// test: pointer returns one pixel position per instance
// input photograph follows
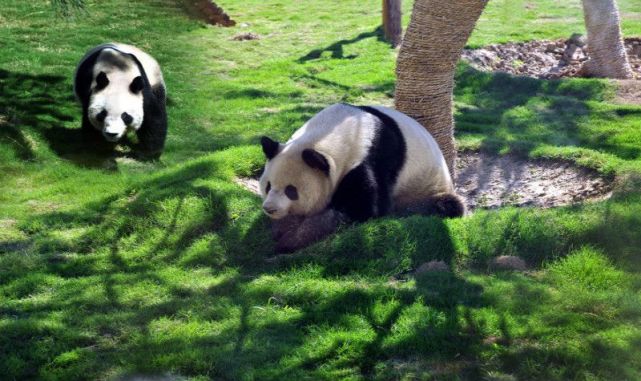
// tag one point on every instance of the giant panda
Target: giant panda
(121, 88)
(349, 164)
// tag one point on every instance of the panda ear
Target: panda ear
(136, 85)
(270, 147)
(101, 81)
(316, 160)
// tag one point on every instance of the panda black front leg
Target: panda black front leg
(359, 196)
(152, 133)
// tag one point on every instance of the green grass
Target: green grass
(111, 267)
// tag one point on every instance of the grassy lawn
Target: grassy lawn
(113, 267)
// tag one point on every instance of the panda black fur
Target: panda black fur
(122, 88)
(352, 163)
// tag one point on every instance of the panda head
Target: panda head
(295, 181)
(116, 100)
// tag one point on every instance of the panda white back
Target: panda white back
(425, 171)
(345, 133)
(341, 132)
(150, 65)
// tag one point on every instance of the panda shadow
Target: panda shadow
(82, 149)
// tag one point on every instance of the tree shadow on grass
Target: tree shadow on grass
(336, 48)
(148, 243)
(521, 113)
(169, 276)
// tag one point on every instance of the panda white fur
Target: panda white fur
(121, 88)
(352, 163)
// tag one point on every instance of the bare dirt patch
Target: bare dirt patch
(487, 181)
(210, 12)
(629, 92)
(490, 182)
(544, 58)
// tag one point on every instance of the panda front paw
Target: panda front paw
(285, 226)
(295, 232)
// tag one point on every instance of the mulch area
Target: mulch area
(544, 58)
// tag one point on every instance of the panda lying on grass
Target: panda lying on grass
(348, 164)
(121, 88)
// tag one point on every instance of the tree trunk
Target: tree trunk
(432, 45)
(605, 45)
(392, 21)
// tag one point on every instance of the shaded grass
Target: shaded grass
(110, 267)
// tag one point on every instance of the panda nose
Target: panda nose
(111, 134)
(269, 210)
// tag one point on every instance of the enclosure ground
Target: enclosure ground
(546, 59)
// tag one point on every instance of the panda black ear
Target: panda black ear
(270, 147)
(316, 160)
(136, 85)
(101, 81)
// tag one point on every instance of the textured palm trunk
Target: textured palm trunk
(605, 45)
(431, 47)
(392, 21)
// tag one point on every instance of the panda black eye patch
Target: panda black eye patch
(136, 85)
(126, 118)
(101, 81)
(101, 116)
(291, 192)
(268, 188)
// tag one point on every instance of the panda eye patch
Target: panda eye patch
(268, 188)
(291, 192)
(101, 116)
(127, 118)
(136, 85)
(101, 81)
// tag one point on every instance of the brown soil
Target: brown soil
(211, 13)
(629, 92)
(544, 58)
(486, 181)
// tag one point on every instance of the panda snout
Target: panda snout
(111, 135)
(269, 209)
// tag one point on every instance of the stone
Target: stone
(432, 266)
(508, 263)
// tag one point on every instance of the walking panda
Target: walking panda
(121, 88)
(352, 163)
